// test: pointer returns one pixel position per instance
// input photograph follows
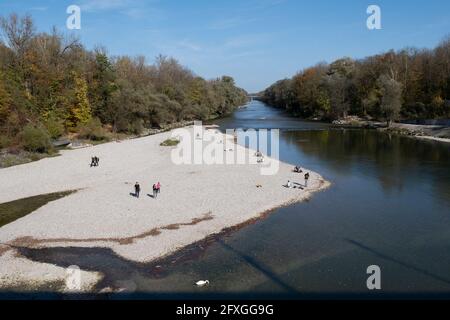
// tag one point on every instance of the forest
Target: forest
(409, 84)
(51, 86)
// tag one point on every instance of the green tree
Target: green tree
(103, 86)
(391, 92)
(5, 102)
(80, 111)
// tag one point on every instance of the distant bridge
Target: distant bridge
(254, 96)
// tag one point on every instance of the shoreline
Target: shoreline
(147, 237)
(437, 133)
(422, 132)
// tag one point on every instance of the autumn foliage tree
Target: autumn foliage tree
(50, 82)
(408, 84)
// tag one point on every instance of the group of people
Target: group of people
(297, 169)
(259, 156)
(94, 161)
(156, 189)
(137, 187)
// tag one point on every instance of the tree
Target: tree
(5, 101)
(80, 111)
(391, 101)
(337, 91)
(18, 32)
(103, 85)
(51, 79)
(353, 87)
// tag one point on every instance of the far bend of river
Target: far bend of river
(389, 205)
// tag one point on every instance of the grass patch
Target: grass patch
(11, 211)
(170, 143)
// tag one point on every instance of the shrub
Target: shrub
(136, 127)
(55, 127)
(170, 143)
(93, 130)
(4, 141)
(36, 139)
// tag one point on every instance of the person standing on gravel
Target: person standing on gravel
(306, 179)
(137, 189)
(158, 188)
(155, 191)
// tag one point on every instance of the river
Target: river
(389, 206)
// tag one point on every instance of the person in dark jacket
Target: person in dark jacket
(306, 179)
(155, 191)
(137, 189)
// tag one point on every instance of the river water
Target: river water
(389, 206)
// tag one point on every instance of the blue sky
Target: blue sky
(255, 41)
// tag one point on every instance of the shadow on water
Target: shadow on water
(397, 261)
(272, 276)
(117, 270)
(112, 267)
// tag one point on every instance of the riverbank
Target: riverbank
(196, 201)
(10, 157)
(427, 132)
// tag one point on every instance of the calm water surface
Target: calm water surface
(389, 205)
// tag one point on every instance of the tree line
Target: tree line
(50, 85)
(407, 84)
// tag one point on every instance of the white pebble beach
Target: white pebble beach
(199, 200)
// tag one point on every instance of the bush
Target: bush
(4, 141)
(136, 127)
(93, 130)
(36, 139)
(55, 127)
(170, 143)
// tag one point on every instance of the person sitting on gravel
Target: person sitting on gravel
(297, 169)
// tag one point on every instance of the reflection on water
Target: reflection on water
(396, 162)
